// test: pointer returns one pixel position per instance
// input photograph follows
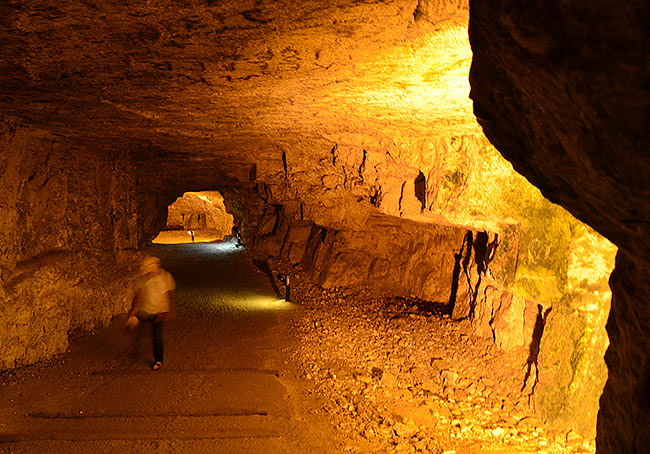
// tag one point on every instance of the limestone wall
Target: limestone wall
(563, 332)
(200, 211)
(65, 213)
(400, 257)
(561, 90)
(397, 256)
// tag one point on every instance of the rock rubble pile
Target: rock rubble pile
(398, 376)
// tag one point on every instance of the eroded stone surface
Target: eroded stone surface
(68, 221)
(561, 90)
(327, 115)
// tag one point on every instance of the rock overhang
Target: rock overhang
(234, 83)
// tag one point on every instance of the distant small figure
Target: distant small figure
(191, 233)
(153, 303)
(237, 237)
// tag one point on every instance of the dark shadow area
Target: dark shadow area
(264, 266)
(421, 189)
(401, 306)
(533, 354)
(480, 257)
(466, 249)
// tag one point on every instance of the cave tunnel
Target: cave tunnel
(385, 160)
(197, 217)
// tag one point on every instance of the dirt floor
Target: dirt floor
(400, 377)
(247, 372)
(227, 384)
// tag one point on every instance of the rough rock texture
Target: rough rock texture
(561, 89)
(401, 257)
(552, 298)
(571, 372)
(624, 418)
(203, 211)
(434, 262)
(321, 119)
(507, 318)
(65, 214)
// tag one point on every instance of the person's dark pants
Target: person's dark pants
(157, 341)
(157, 329)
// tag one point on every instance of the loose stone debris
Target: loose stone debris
(399, 376)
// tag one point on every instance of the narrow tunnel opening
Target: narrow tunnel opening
(198, 217)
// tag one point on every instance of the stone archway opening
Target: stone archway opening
(199, 217)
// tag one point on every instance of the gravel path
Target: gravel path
(227, 384)
(246, 372)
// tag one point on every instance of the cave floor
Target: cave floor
(247, 372)
(399, 376)
(226, 385)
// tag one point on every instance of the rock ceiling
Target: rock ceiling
(575, 78)
(238, 81)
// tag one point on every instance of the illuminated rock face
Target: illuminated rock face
(342, 137)
(66, 220)
(561, 90)
(203, 211)
(393, 255)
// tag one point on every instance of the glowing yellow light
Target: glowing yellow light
(254, 303)
(429, 80)
(181, 236)
(268, 303)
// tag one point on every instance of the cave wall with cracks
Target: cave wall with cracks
(68, 235)
(317, 120)
(574, 75)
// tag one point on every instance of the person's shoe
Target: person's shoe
(157, 365)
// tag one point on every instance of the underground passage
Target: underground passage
(196, 217)
(376, 226)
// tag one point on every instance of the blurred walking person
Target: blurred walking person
(153, 303)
